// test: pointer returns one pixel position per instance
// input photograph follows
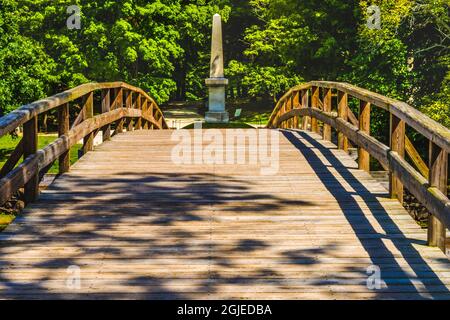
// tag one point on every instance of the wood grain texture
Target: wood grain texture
(141, 226)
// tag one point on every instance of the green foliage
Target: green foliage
(163, 47)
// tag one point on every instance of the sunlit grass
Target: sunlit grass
(9, 143)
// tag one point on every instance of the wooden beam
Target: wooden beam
(327, 108)
(30, 144)
(63, 130)
(13, 159)
(416, 158)
(438, 176)
(343, 114)
(397, 141)
(364, 126)
(88, 105)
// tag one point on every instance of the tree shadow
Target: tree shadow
(126, 233)
(371, 240)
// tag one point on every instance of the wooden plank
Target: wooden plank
(63, 130)
(397, 142)
(364, 126)
(309, 233)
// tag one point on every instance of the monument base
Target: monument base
(217, 117)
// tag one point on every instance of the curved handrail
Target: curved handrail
(429, 128)
(429, 185)
(137, 104)
(23, 114)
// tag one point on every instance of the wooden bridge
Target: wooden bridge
(126, 221)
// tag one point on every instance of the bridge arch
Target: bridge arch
(121, 105)
(313, 102)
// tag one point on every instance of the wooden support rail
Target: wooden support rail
(427, 184)
(36, 162)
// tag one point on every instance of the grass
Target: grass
(8, 144)
(230, 125)
(5, 220)
(255, 112)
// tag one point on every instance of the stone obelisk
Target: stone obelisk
(216, 82)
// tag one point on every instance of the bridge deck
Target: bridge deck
(139, 226)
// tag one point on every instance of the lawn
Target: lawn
(8, 144)
(230, 125)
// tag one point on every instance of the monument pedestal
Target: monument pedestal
(217, 117)
(216, 113)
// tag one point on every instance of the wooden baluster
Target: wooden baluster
(138, 124)
(343, 114)
(397, 140)
(88, 105)
(160, 119)
(119, 104)
(305, 102)
(288, 109)
(327, 108)
(106, 107)
(129, 104)
(295, 104)
(438, 176)
(149, 114)
(315, 104)
(63, 129)
(364, 125)
(30, 144)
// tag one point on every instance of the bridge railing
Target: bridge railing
(119, 104)
(319, 106)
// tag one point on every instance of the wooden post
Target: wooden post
(305, 102)
(315, 104)
(364, 125)
(63, 129)
(327, 108)
(149, 113)
(119, 104)
(296, 105)
(106, 107)
(437, 178)
(129, 105)
(397, 141)
(88, 105)
(30, 144)
(139, 106)
(283, 111)
(343, 114)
